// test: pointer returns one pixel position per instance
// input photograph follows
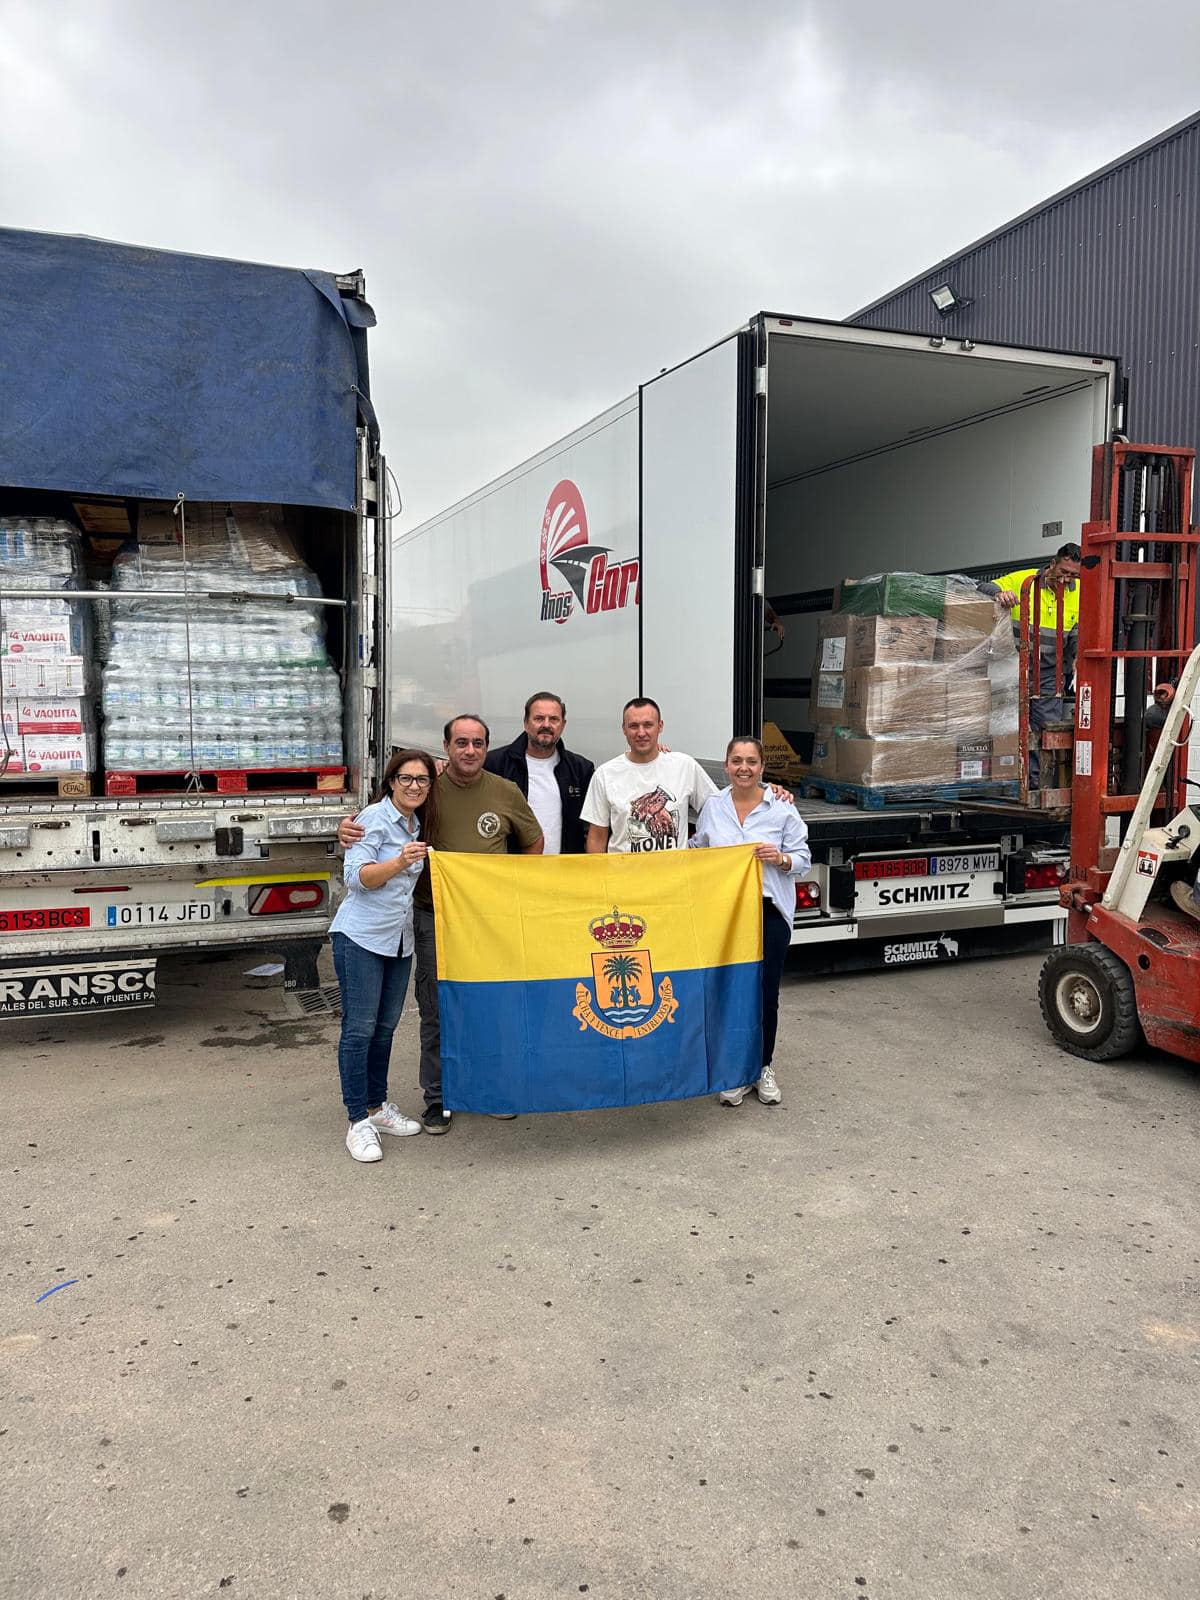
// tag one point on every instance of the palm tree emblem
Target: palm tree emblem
(619, 970)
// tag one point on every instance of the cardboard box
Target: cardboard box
(973, 761)
(968, 703)
(1002, 643)
(68, 752)
(893, 594)
(897, 699)
(832, 629)
(827, 703)
(1006, 757)
(824, 756)
(967, 626)
(43, 677)
(965, 614)
(972, 649)
(53, 716)
(878, 762)
(782, 763)
(52, 637)
(878, 641)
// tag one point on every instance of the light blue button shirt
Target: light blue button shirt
(379, 919)
(771, 822)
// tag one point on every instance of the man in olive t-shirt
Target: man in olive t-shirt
(477, 811)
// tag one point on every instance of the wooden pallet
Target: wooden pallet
(49, 785)
(230, 780)
(905, 794)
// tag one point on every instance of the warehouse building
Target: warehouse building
(1110, 266)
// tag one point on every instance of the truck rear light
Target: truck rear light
(807, 896)
(274, 899)
(1043, 877)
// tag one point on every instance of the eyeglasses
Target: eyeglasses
(407, 781)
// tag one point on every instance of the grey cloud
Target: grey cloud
(552, 200)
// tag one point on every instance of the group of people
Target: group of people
(536, 797)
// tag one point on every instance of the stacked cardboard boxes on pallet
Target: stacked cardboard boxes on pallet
(903, 686)
(47, 716)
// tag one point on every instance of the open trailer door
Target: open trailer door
(701, 615)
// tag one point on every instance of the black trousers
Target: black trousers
(777, 936)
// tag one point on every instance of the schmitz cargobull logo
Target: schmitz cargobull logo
(943, 948)
(592, 580)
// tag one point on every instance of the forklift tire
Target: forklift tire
(1088, 1000)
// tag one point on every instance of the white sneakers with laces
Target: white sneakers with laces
(767, 1089)
(363, 1142)
(390, 1119)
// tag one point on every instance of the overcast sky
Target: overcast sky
(552, 199)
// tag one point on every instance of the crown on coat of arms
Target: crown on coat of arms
(620, 931)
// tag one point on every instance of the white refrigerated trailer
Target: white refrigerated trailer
(636, 556)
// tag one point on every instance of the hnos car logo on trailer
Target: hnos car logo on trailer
(592, 580)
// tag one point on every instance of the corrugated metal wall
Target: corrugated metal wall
(1111, 268)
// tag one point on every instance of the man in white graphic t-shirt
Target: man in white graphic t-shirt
(641, 800)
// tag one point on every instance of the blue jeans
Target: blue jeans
(373, 989)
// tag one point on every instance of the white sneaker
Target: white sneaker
(363, 1142)
(734, 1097)
(390, 1119)
(767, 1089)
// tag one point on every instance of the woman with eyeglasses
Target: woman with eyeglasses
(372, 936)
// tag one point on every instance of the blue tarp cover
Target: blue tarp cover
(147, 373)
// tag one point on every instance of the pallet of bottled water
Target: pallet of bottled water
(210, 682)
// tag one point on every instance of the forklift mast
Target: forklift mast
(1137, 617)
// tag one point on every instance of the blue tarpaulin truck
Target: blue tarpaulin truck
(193, 520)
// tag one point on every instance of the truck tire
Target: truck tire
(1088, 1000)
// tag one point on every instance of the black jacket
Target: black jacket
(572, 774)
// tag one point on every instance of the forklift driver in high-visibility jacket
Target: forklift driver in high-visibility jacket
(1060, 576)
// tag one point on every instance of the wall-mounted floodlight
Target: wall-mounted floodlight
(946, 301)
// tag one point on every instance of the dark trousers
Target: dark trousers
(427, 1004)
(777, 937)
(373, 989)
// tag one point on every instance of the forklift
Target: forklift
(1130, 969)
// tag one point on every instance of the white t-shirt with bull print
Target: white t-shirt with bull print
(645, 805)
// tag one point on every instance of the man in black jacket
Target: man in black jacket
(552, 778)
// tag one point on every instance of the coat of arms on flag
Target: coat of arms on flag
(622, 982)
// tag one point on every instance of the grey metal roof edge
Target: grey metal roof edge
(1165, 137)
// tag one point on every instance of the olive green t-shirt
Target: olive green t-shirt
(479, 817)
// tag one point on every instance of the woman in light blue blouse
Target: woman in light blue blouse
(749, 812)
(372, 936)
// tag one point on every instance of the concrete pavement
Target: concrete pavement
(930, 1329)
